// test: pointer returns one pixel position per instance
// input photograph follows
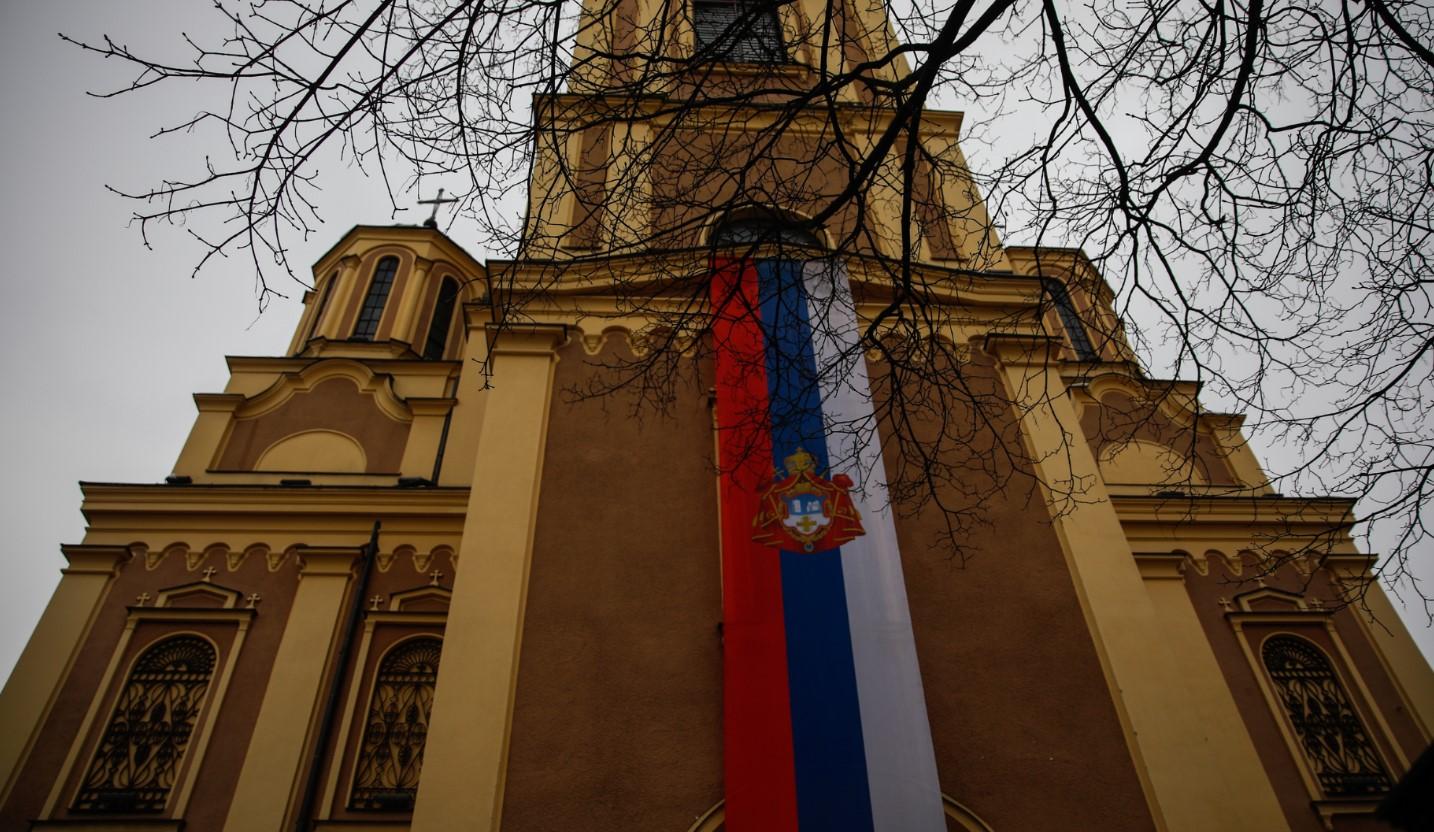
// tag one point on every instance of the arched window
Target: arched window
(376, 298)
(137, 760)
(442, 319)
(1070, 319)
(391, 756)
(757, 230)
(1335, 742)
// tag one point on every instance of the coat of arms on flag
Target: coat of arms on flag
(804, 512)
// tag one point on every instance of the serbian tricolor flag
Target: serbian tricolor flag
(825, 719)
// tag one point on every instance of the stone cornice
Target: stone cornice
(93, 560)
(105, 502)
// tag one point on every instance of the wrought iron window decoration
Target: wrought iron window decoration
(391, 755)
(135, 765)
(1336, 744)
(376, 298)
(746, 31)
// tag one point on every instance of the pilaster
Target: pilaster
(408, 298)
(274, 763)
(1191, 750)
(465, 761)
(46, 660)
(328, 325)
(216, 411)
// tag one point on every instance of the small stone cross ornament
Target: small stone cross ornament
(208, 573)
(434, 577)
(253, 599)
(142, 598)
(374, 602)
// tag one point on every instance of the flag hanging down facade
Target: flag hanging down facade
(824, 714)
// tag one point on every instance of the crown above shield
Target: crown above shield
(799, 461)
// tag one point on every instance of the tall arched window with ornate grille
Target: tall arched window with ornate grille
(376, 298)
(391, 756)
(136, 763)
(1335, 742)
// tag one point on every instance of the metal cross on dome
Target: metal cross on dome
(432, 221)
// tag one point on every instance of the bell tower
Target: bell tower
(678, 116)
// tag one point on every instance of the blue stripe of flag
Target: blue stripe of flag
(831, 775)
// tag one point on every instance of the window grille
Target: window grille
(1334, 739)
(135, 765)
(442, 319)
(738, 30)
(389, 761)
(1070, 320)
(376, 298)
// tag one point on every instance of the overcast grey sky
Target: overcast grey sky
(104, 341)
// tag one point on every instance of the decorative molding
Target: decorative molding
(327, 560)
(372, 619)
(228, 598)
(82, 559)
(399, 601)
(105, 693)
(275, 559)
(401, 552)
(379, 386)
(1381, 738)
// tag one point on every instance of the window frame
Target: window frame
(334, 803)
(1077, 336)
(435, 351)
(375, 298)
(360, 741)
(168, 641)
(744, 45)
(175, 620)
(1253, 622)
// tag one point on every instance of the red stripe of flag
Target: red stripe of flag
(760, 772)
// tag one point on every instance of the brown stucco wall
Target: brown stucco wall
(618, 718)
(1207, 593)
(220, 768)
(1023, 722)
(1118, 419)
(333, 404)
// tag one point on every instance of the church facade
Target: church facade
(438, 568)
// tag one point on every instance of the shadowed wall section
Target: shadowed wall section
(618, 718)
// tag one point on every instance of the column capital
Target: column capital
(526, 339)
(328, 560)
(1031, 350)
(85, 559)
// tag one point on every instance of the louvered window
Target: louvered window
(747, 32)
(137, 761)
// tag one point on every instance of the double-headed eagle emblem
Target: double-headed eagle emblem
(804, 512)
